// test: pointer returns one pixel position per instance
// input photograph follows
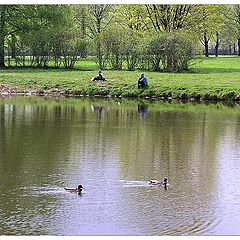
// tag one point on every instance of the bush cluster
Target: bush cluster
(170, 52)
(57, 47)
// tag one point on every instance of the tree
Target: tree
(180, 49)
(156, 50)
(232, 22)
(9, 24)
(98, 20)
(168, 18)
(206, 21)
(3, 10)
(20, 20)
(132, 17)
(113, 42)
(81, 18)
(171, 52)
(217, 44)
(134, 21)
(133, 48)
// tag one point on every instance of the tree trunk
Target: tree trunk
(206, 44)
(239, 46)
(2, 35)
(230, 49)
(83, 23)
(234, 48)
(217, 44)
(13, 46)
(99, 54)
(117, 61)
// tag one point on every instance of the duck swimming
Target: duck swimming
(76, 190)
(165, 183)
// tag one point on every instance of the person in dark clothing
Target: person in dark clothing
(142, 81)
(99, 77)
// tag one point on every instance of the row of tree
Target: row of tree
(156, 37)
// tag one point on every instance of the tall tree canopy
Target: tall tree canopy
(206, 22)
(115, 36)
(166, 18)
(99, 19)
(232, 21)
(17, 19)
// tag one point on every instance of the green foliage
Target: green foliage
(206, 18)
(150, 37)
(206, 22)
(156, 50)
(38, 42)
(113, 42)
(66, 45)
(168, 18)
(132, 50)
(179, 51)
(58, 41)
(171, 52)
(98, 20)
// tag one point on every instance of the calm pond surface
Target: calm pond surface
(113, 148)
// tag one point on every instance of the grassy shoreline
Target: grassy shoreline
(210, 79)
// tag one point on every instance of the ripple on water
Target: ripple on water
(132, 183)
(176, 212)
(37, 190)
(108, 230)
(192, 226)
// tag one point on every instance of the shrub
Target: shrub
(132, 51)
(171, 52)
(179, 51)
(156, 51)
(113, 42)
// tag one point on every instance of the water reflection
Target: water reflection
(48, 144)
(142, 110)
(99, 111)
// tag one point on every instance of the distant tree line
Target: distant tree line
(152, 37)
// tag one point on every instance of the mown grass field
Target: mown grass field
(209, 79)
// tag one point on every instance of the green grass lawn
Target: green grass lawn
(209, 79)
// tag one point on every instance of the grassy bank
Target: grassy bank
(209, 79)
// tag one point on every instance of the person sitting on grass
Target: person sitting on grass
(99, 77)
(142, 81)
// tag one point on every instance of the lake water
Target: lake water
(113, 148)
